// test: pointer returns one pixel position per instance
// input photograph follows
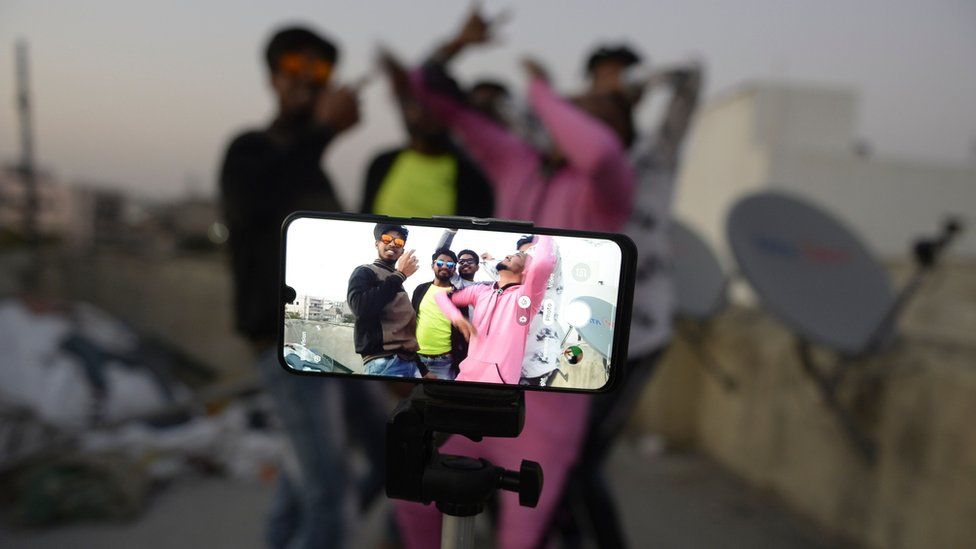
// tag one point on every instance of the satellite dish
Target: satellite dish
(598, 330)
(699, 281)
(810, 271)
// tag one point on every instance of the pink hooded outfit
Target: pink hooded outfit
(501, 316)
(594, 190)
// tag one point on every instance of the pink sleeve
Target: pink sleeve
(589, 145)
(537, 275)
(460, 298)
(496, 150)
(447, 307)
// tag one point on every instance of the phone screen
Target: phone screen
(454, 302)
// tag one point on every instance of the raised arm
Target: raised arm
(541, 265)
(447, 238)
(462, 298)
(686, 88)
(585, 141)
(588, 144)
(450, 301)
(496, 150)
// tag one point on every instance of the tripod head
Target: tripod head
(459, 486)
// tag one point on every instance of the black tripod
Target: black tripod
(459, 486)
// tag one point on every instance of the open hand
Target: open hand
(478, 28)
(338, 108)
(408, 263)
(394, 70)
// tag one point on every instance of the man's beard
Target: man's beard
(443, 275)
(502, 267)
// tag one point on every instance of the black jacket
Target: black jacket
(459, 345)
(385, 321)
(474, 193)
(265, 176)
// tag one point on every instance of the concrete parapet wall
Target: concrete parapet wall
(917, 401)
(183, 301)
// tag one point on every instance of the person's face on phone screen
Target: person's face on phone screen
(443, 267)
(390, 246)
(467, 266)
(514, 263)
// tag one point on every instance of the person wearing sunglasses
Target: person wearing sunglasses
(386, 324)
(270, 173)
(266, 174)
(467, 265)
(442, 346)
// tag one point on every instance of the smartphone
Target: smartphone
(454, 301)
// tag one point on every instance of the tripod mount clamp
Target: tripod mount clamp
(459, 486)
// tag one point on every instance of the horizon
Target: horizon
(113, 108)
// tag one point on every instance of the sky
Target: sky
(145, 97)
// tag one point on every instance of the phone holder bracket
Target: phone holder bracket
(459, 486)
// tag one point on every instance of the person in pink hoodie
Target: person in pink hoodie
(501, 314)
(584, 181)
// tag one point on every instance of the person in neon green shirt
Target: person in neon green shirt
(442, 347)
(430, 175)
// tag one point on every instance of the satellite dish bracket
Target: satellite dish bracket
(828, 383)
(927, 252)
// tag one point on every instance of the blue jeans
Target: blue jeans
(441, 366)
(391, 365)
(315, 412)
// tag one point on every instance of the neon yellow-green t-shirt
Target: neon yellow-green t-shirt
(418, 185)
(433, 328)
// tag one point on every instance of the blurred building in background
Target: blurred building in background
(84, 217)
(802, 140)
(54, 203)
(308, 307)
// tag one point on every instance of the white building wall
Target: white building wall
(889, 203)
(807, 118)
(801, 140)
(722, 162)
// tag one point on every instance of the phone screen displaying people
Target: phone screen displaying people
(397, 300)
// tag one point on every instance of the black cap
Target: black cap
(615, 52)
(382, 228)
(298, 38)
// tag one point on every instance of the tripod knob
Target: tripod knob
(530, 483)
(527, 482)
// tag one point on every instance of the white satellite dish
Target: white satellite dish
(811, 271)
(699, 282)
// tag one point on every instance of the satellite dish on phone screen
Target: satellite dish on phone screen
(810, 271)
(699, 281)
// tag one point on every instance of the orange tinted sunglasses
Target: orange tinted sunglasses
(297, 64)
(399, 242)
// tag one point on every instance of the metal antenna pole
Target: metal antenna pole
(27, 169)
